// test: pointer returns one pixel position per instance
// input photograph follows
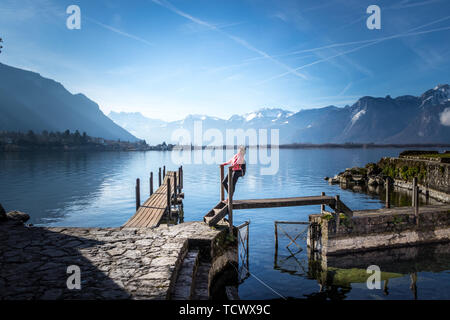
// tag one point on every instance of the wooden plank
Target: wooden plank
(149, 216)
(150, 213)
(283, 202)
(230, 199)
(153, 201)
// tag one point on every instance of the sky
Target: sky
(168, 59)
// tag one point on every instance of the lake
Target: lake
(97, 190)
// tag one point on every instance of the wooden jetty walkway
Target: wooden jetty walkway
(226, 207)
(160, 202)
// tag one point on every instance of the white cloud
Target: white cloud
(445, 117)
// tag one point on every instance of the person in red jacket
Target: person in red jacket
(238, 168)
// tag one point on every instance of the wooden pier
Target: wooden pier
(160, 202)
(226, 207)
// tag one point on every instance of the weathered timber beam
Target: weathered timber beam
(282, 202)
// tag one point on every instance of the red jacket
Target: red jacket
(236, 161)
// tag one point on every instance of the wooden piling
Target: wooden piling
(388, 196)
(164, 172)
(230, 199)
(151, 183)
(159, 176)
(336, 207)
(413, 204)
(175, 185)
(169, 202)
(138, 194)
(222, 188)
(181, 178)
(322, 206)
(416, 201)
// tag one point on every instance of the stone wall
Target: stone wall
(430, 174)
(375, 229)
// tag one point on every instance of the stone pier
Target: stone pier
(115, 263)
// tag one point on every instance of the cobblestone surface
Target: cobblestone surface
(115, 263)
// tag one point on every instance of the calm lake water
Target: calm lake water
(97, 190)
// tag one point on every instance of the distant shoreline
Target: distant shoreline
(102, 148)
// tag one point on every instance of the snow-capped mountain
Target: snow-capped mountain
(439, 95)
(264, 116)
(405, 119)
(156, 131)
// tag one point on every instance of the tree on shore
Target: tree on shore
(60, 139)
(1, 40)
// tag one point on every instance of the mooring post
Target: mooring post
(164, 172)
(416, 203)
(175, 185)
(159, 176)
(230, 199)
(151, 183)
(222, 188)
(414, 192)
(388, 196)
(138, 194)
(181, 178)
(322, 206)
(168, 199)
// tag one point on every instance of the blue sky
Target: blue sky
(167, 59)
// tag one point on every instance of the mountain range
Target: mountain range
(402, 120)
(29, 101)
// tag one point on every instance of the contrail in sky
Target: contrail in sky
(238, 40)
(367, 44)
(120, 32)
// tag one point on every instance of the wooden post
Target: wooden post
(181, 178)
(337, 212)
(230, 199)
(151, 183)
(416, 199)
(388, 196)
(414, 192)
(169, 207)
(138, 194)
(164, 172)
(322, 206)
(337, 200)
(175, 184)
(159, 177)
(222, 188)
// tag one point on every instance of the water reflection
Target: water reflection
(336, 275)
(97, 190)
(399, 197)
